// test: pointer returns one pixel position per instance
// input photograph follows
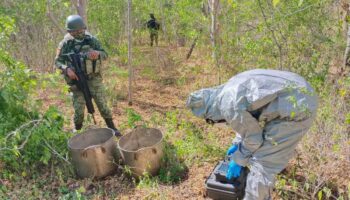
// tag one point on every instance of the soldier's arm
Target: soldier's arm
(60, 60)
(98, 47)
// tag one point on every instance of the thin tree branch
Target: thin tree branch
(52, 18)
(273, 34)
(55, 152)
(21, 146)
(279, 30)
(21, 127)
(300, 10)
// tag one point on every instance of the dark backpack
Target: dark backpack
(153, 24)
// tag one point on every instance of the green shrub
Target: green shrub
(28, 137)
(172, 170)
(133, 117)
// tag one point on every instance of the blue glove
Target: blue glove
(232, 149)
(234, 170)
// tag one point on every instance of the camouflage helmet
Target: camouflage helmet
(75, 22)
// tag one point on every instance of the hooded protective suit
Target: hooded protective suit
(270, 111)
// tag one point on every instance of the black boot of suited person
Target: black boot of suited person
(110, 125)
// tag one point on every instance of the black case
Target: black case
(219, 188)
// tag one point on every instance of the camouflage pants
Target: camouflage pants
(97, 91)
(154, 37)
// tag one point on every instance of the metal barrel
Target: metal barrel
(142, 150)
(94, 153)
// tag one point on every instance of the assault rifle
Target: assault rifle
(81, 83)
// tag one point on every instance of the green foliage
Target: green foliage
(303, 29)
(133, 117)
(297, 190)
(181, 15)
(27, 137)
(119, 72)
(347, 118)
(194, 146)
(74, 195)
(172, 170)
(309, 34)
(275, 2)
(186, 149)
(15, 85)
(106, 21)
(150, 72)
(147, 181)
(7, 27)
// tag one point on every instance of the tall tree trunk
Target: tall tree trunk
(213, 9)
(131, 75)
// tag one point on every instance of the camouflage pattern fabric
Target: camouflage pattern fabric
(153, 37)
(97, 89)
(70, 45)
(153, 27)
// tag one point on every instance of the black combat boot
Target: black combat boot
(110, 125)
(78, 126)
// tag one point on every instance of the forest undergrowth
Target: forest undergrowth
(192, 148)
(304, 36)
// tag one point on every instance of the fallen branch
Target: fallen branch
(21, 146)
(55, 152)
(21, 127)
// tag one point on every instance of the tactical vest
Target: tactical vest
(89, 67)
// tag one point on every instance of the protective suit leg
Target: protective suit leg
(280, 140)
(259, 184)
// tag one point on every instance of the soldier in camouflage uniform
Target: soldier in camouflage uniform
(153, 27)
(78, 40)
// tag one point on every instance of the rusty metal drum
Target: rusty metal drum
(142, 150)
(94, 153)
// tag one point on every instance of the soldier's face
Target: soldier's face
(77, 34)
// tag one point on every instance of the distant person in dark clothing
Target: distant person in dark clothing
(153, 27)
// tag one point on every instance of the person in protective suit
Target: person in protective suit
(78, 40)
(153, 27)
(270, 111)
